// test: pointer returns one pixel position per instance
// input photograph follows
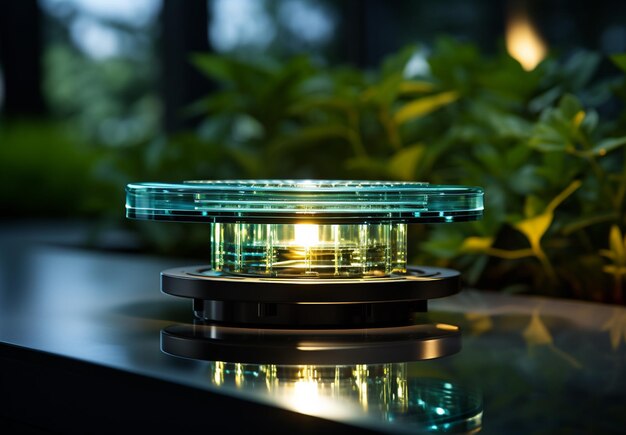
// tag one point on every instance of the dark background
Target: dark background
(42, 41)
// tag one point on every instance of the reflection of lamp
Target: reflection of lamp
(307, 253)
(311, 346)
(353, 375)
(385, 391)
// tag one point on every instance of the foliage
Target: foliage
(46, 172)
(553, 171)
(112, 101)
(547, 146)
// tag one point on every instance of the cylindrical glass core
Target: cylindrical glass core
(309, 250)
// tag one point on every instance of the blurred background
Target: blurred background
(524, 98)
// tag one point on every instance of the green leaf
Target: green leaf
(557, 200)
(509, 125)
(617, 245)
(533, 206)
(569, 105)
(213, 66)
(476, 244)
(580, 67)
(249, 77)
(619, 60)
(403, 165)
(525, 180)
(245, 128)
(543, 101)
(590, 122)
(607, 145)
(559, 128)
(546, 138)
(585, 221)
(423, 106)
(310, 136)
(444, 244)
(372, 168)
(534, 228)
(385, 92)
(337, 104)
(415, 87)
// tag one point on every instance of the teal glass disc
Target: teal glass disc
(316, 201)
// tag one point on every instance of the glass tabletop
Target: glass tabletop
(527, 364)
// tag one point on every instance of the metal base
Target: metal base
(324, 347)
(308, 315)
(309, 303)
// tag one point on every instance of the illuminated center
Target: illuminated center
(309, 250)
(306, 235)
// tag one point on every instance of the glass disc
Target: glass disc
(321, 201)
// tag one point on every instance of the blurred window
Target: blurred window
(101, 67)
(277, 27)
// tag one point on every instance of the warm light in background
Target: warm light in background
(523, 41)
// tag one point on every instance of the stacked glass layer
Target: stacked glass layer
(306, 228)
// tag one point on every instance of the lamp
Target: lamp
(307, 253)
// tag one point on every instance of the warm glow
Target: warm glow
(309, 396)
(523, 42)
(306, 398)
(218, 376)
(447, 327)
(307, 235)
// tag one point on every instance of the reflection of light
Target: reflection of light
(523, 42)
(306, 235)
(447, 327)
(239, 377)
(306, 398)
(350, 393)
(218, 376)
(361, 376)
(309, 395)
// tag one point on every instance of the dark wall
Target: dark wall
(20, 57)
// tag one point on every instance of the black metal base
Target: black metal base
(309, 303)
(323, 347)
(308, 315)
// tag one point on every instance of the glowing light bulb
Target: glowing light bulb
(306, 235)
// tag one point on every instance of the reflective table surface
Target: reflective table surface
(527, 364)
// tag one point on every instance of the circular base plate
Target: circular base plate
(201, 282)
(324, 347)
